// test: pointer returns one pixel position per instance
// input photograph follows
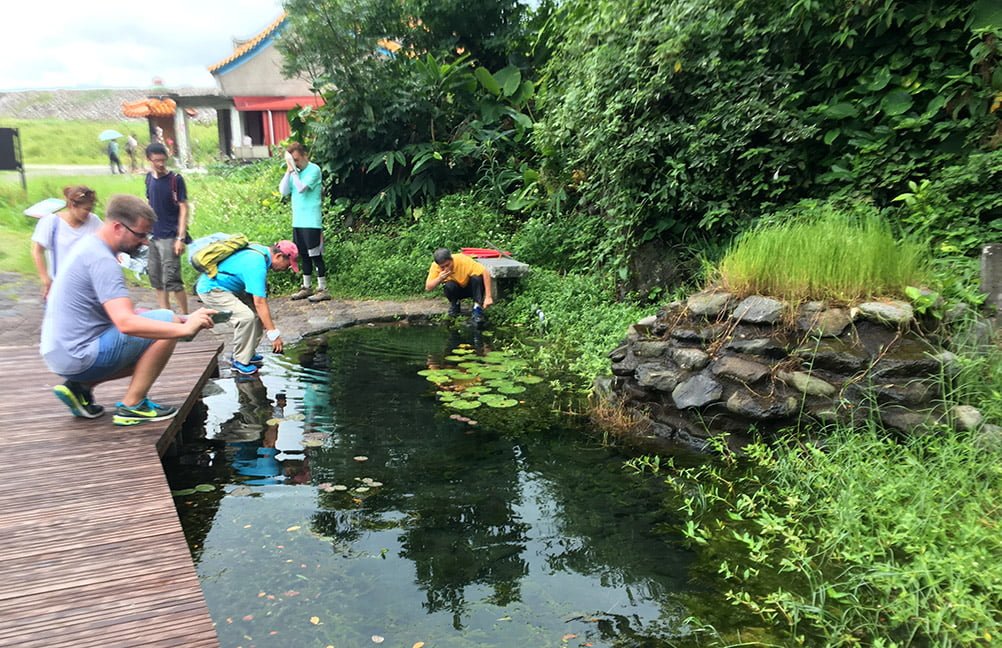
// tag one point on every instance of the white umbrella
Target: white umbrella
(45, 207)
(109, 134)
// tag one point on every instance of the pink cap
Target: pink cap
(289, 249)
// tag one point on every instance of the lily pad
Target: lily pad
(462, 351)
(511, 389)
(339, 487)
(529, 379)
(489, 375)
(505, 402)
(455, 358)
(477, 389)
(464, 404)
(362, 489)
(427, 372)
(360, 458)
(469, 364)
(438, 378)
(205, 488)
(447, 396)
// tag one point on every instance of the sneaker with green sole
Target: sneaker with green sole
(79, 399)
(144, 412)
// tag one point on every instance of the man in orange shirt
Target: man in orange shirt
(461, 276)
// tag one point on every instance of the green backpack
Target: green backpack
(206, 253)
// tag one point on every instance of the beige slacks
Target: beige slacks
(247, 327)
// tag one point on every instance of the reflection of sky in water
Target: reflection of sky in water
(485, 536)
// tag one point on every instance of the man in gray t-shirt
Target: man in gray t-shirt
(91, 332)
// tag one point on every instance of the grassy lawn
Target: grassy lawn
(60, 141)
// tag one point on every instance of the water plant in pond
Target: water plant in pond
(489, 379)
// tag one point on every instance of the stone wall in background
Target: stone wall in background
(715, 363)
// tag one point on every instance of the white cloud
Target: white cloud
(123, 44)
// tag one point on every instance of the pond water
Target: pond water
(522, 529)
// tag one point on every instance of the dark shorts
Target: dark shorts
(309, 240)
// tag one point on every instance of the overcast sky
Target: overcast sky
(49, 44)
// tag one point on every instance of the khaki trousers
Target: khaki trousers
(247, 327)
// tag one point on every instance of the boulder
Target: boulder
(697, 391)
(893, 312)
(658, 377)
(708, 304)
(830, 322)
(806, 383)
(763, 346)
(746, 403)
(691, 359)
(759, 310)
(967, 418)
(650, 349)
(740, 369)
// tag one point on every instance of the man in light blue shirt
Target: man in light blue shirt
(304, 181)
(241, 287)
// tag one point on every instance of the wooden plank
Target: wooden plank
(94, 554)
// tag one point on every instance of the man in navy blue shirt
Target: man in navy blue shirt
(168, 196)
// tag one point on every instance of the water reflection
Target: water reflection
(519, 530)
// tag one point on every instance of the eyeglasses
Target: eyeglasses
(139, 235)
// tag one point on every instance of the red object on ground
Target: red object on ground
(483, 253)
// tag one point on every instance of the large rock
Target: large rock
(967, 418)
(697, 391)
(759, 310)
(691, 359)
(695, 334)
(834, 355)
(650, 349)
(735, 368)
(751, 405)
(893, 312)
(763, 346)
(658, 377)
(830, 322)
(806, 383)
(708, 304)
(625, 367)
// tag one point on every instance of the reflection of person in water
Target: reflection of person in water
(249, 433)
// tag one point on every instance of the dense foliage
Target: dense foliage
(663, 117)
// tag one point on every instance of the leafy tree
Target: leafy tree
(397, 130)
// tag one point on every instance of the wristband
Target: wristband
(273, 334)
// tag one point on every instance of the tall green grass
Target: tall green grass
(824, 253)
(64, 141)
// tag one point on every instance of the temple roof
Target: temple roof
(249, 45)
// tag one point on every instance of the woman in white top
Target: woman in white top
(56, 233)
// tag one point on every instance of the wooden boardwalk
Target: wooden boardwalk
(91, 549)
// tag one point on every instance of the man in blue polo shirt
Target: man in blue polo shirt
(240, 286)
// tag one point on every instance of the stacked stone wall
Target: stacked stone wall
(717, 364)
